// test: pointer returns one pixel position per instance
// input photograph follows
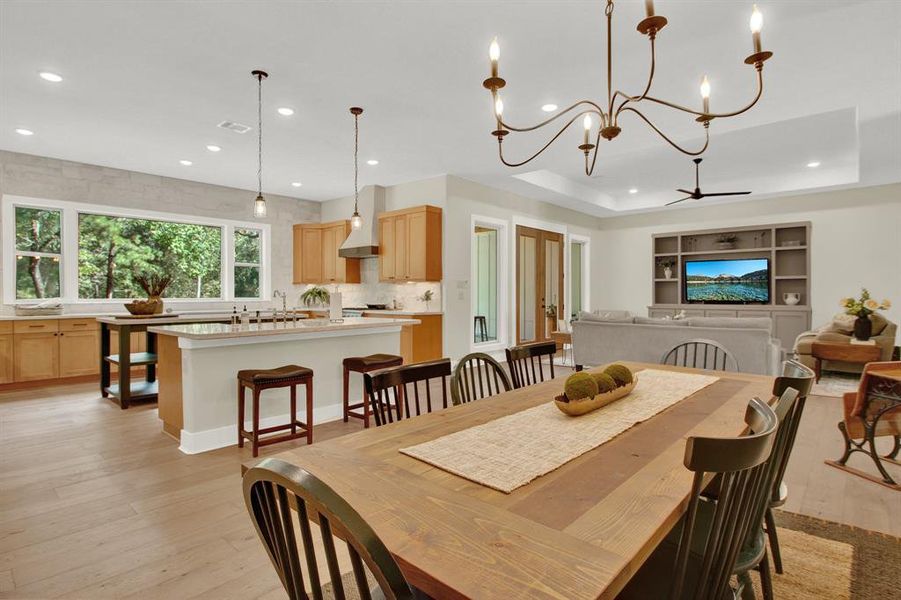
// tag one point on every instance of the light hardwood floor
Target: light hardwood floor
(95, 502)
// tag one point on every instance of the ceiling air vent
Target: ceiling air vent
(232, 126)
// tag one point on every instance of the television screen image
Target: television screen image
(728, 281)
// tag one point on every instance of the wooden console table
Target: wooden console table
(840, 351)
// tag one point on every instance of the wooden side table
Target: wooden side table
(852, 353)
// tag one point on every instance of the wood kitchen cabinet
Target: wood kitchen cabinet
(316, 257)
(46, 349)
(7, 364)
(36, 356)
(410, 244)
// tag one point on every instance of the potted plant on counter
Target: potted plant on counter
(154, 286)
(862, 308)
(427, 298)
(315, 297)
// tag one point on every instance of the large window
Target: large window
(111, 250)
(38, 252)
(83, 253)
(488, 281)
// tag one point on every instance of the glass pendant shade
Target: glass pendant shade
(259, 207)
(356, 221)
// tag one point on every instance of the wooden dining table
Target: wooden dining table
(581, 531)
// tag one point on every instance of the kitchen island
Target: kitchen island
(198, 365)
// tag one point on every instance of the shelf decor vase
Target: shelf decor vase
(668, 273)
(863, 328)
(791, 298)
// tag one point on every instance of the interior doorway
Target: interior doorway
(539, 283)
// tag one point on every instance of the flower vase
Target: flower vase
(668, 273)
(863, 328)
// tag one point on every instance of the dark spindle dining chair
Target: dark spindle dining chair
(276, 493)
(525, 363)
(477, 375)
(401, 392)
(700, 354)
(800, 378)
(720, 536)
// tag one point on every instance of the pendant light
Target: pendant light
(259, 204)
(356, 221)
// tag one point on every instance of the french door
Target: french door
(539, 283)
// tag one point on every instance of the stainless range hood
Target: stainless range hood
(364, 242)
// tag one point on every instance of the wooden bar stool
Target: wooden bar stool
(264, 379)
(364, 364)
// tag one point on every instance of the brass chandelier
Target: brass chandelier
(619, 102)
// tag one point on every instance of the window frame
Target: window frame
(70, 212)
(11, 248)
(236, 263)
(503, 228)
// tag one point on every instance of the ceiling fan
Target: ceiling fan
(697, 194)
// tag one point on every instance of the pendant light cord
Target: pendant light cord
(356, 160)
(260, 135)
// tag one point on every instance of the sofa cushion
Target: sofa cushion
(608, 316)
(732, 322)
(666, 322)
(842, 324)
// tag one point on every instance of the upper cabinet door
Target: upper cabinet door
(297, 263)
(401, 248)
(416, 243)
(387, 249)
(311, 259)
(329, 255)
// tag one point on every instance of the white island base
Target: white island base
(198, 366)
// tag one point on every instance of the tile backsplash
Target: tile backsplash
(373, 291)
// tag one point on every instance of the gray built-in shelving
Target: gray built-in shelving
(786, 245)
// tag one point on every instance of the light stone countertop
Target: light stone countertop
(412, 313)
(219, 331)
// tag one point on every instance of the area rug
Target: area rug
(835, 384)
(823, 559)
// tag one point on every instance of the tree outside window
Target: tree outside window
(247, 263)
(38, 253)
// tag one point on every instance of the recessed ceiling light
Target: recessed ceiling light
(296, 183)
(813, 164)
(549, 107)
(633, 190)
(23, 131)
(213, 148)
(372, 162)
(285, 111)
(48, 76)
(186, 163)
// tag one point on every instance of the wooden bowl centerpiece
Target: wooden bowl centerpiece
(585, 392)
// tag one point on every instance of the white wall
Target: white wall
(855, 242)
(53, 179)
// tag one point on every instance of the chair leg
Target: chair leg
(256, 422)
(309, 410)
(766, 578)
(365, 407)
(240, 415)
(293, 409)
(774, 540)
(346, 393)
(747, 587)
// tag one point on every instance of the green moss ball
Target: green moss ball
(620, 374)
(580, 386)
(605, 382)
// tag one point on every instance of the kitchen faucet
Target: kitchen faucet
(284, 297)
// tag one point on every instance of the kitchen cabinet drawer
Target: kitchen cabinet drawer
(36, 326)
(78, 325)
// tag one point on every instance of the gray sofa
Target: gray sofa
(610, 336)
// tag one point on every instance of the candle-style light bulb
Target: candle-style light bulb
(499, 107)
(705, 93)
(649, 7)
(494, 53)
(586, 123)
(756, 24)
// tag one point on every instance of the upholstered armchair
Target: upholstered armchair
(840, 329)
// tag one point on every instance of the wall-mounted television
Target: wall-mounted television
(738, 281)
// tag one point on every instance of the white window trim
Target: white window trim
(503, 233)
(263, 236)
(69, 233)
(585, 241)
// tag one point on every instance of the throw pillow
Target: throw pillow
(843, 323)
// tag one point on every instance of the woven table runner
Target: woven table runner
(511, 451)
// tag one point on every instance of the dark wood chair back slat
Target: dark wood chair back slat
(273, 490)
(476, 376)
(401, 392)
(525, 363)
(799, 378)
(700, 354)
(740, 465)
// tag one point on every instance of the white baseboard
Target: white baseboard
(195, 442)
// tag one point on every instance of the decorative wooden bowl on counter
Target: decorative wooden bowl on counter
(153, 306)
(575, 408)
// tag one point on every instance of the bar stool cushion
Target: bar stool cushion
(273, 375)
(371, 362)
